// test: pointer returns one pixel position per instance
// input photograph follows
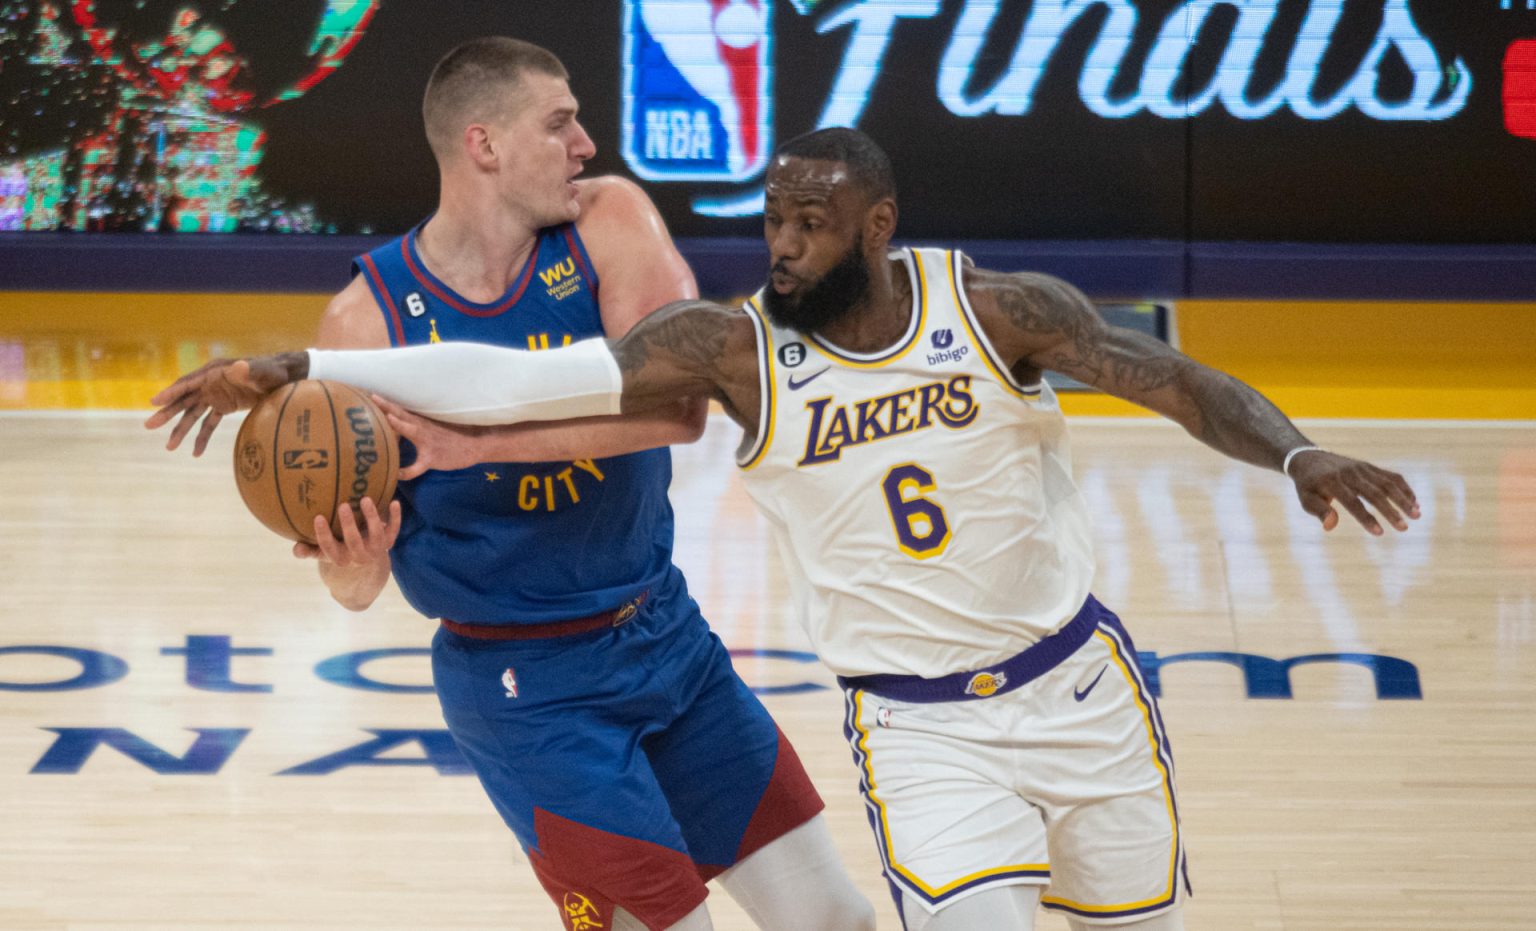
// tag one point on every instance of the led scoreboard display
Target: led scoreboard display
(1392, 121)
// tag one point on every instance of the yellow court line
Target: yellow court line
(1441, 361)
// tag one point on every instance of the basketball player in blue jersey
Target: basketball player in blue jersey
(914, 466)
(574, 671)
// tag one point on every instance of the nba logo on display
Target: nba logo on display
(697, 89)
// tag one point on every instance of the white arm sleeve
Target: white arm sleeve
(473, 383)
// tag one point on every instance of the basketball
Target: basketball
(310, 448)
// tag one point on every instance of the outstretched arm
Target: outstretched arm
(640, 270)
(690, 349)
(687, 352)
(1041, 322)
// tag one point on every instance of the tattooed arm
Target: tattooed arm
(691, 349)
(1037, 322)
(688, 349)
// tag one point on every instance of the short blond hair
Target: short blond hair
(477, 82)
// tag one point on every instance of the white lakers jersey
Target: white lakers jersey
(922, 501)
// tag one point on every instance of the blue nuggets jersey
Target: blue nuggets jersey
(505, 543)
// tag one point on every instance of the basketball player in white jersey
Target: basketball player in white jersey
(914, 466)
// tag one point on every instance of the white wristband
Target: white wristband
(474, 383)
(1286, 465)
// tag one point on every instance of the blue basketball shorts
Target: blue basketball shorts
(632, 763)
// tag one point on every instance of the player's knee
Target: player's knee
(866, 916)
(836, 905)
(696, 920)
(798, 882)
(854, 912)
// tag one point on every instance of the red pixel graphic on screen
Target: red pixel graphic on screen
(1520, 88)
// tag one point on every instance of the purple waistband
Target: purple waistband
(1035, 661)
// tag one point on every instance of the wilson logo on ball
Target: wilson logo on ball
(363, 454)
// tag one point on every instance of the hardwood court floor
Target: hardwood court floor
(1331, 809)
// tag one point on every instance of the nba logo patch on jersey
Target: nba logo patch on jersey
(509, 682)
(984, 684)
(697, 89)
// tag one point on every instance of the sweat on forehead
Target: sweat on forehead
(853, 155)
(800, 178)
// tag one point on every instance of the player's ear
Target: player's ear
(478, 146)
(880, 223)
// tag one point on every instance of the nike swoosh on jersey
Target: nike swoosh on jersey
(797, 385)
(1080, 695)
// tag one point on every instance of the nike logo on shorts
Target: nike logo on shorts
(1080, 695)
(797, 385)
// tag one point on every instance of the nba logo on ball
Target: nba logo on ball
(509, 682)
(697, 89)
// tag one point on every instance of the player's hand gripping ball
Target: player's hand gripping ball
(312, 448)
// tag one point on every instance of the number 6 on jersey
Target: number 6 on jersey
(921, 529)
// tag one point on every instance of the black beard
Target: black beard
(825, 301)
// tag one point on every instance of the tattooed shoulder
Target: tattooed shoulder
(1034, 303)
(1024, 313)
